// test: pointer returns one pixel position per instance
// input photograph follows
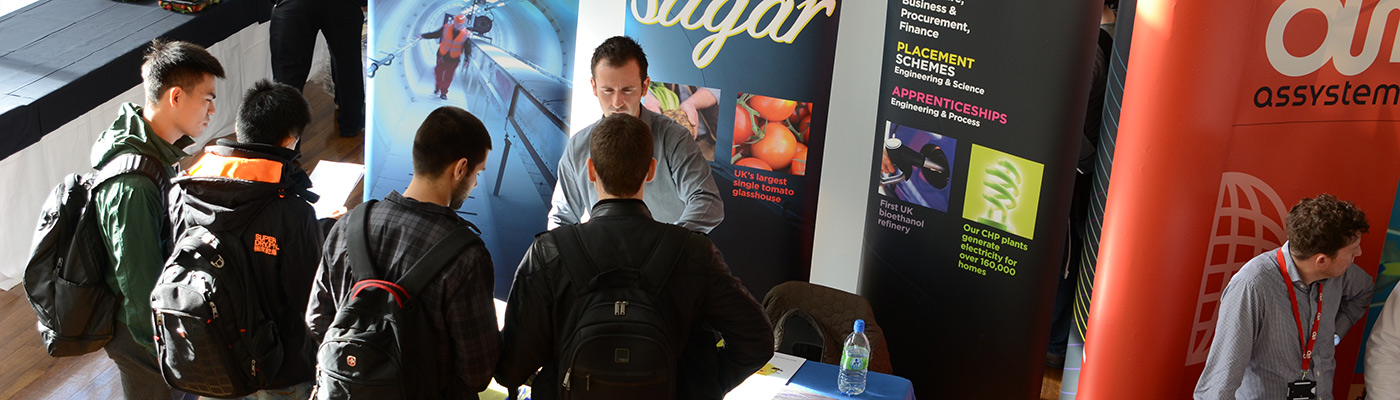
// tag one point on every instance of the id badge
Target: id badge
(1302, 389)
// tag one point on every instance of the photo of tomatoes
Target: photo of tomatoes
(770, 108)
(753, 163)
(771, 131)
(777, 147)
(743, 126)
(799, 162)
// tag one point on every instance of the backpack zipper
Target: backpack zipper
(619, 308)
(566, 378)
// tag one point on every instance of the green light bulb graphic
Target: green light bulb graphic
(1002, 190)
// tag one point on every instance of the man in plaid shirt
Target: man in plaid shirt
(449, 152)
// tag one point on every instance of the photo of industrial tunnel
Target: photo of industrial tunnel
(512, 71)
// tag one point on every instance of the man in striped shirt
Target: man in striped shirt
(1281, 314)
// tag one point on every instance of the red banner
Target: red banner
(1233, 111)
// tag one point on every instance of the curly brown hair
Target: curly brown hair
(1323, 224)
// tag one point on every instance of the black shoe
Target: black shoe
(352, 134)
(444, 96)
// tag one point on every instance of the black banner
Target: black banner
(982, 105)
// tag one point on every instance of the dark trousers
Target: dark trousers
(1062, 316)
(445, 71)
(293, 37)
(140, 373)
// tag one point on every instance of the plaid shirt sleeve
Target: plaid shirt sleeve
(321, 305)
(469, 314)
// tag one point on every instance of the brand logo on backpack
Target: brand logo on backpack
(265, 244)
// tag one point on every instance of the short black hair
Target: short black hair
(1324, 225)
(174, 63)
(617, 50)
(449, 134)
(621, 150)
(270, 112)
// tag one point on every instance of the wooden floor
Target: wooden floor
(1050, 384)
(27, 372)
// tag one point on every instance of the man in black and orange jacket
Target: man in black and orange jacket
(257, 181)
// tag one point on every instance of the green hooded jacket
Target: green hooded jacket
(131, 211)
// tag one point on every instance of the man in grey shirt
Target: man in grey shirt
(683, 192)
(1259, 351)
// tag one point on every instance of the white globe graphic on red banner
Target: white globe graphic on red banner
(1248, 221)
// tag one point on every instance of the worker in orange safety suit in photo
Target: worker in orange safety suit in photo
(452, 41)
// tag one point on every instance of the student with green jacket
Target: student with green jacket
(179, 83)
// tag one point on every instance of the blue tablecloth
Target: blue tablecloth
(820, 378)
(61, 58)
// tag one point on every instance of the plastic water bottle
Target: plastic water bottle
(855, 360)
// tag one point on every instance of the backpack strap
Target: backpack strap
(361, 265)
(206, 245)
(129, 163)
(430, 264)
(571, 251)
(664, 257)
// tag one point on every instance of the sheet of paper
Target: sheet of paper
(769, 380)
(799, 394)
(334, 181)
(782, 366)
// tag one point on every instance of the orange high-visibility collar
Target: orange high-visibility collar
(248, 169)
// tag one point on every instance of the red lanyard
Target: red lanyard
(1306, 342)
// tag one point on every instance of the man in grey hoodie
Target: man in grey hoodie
(178, 78)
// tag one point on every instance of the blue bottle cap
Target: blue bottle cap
(860, 325)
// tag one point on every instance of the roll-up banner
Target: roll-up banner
(1117, 60)
(1386, 278)
(762, 71)
(507, 63)
(974, 151)
(1233, 112)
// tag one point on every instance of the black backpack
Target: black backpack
(215, 331)
(362, 355)
(619, 343)
(65, 277)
